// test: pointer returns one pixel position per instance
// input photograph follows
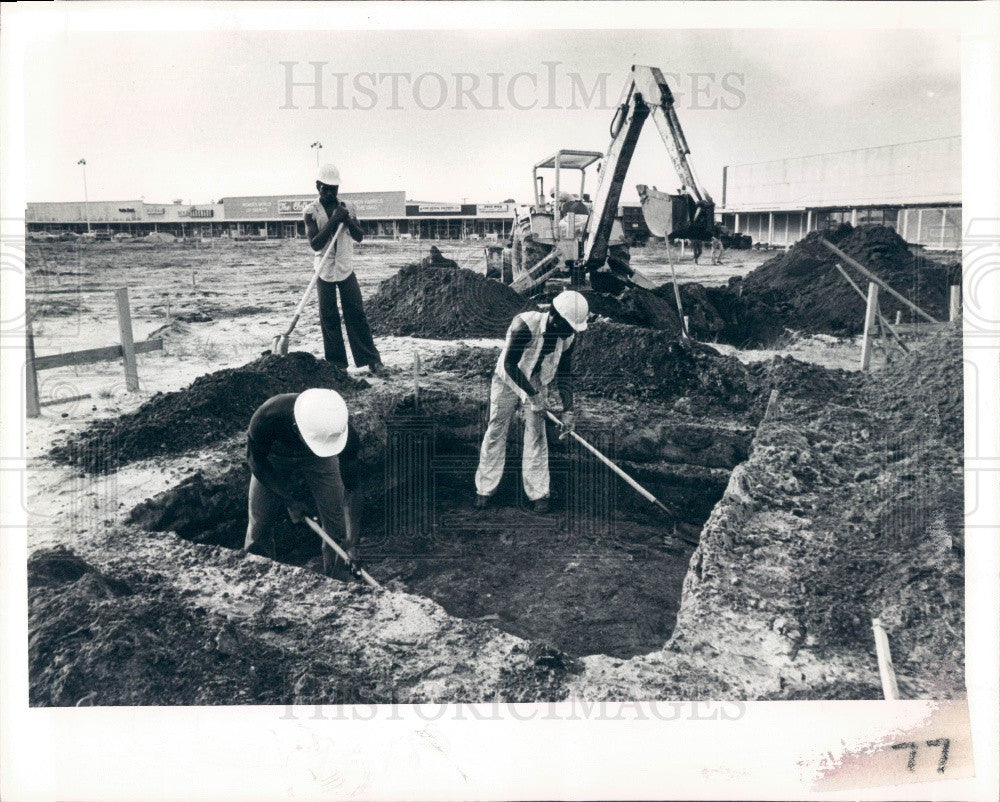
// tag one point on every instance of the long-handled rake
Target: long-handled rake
(279, 345)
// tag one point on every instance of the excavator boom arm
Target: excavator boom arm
(648, 96)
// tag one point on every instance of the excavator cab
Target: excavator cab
(549, 233)
(555, 227)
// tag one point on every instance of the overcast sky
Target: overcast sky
(199, 116)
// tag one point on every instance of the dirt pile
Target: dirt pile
(210, 409)
(802, 380)
(853, 509)
(467, 361)
(629, 362)
(134, 639)
(926, 386)
(802, 289)
(442, 302)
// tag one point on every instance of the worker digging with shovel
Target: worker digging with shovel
(538, 350)
(324, 218)
(297, 444)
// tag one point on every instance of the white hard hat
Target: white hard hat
(573, 307)
(321, 417)
(329, 174)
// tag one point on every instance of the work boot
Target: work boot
(378, 369)
(541, 506)
(481, 501)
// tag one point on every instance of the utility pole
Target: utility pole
(86, 202)
(317, 146)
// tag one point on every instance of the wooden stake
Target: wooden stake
(885, 670)
(30, 376)
(881, 318)
(872, 277)
(168, 310)
(128, 344)
(416, 380)
(899, 317)
(677, 296)
(871, 309)
(955, 302)
(772, 402)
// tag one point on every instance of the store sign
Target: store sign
(202, 213)
(370, 205)
(491, 208)
(292, 205)
(155, 210)
(439, 208)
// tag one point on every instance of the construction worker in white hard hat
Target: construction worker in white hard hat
(538, 350)
(322, 217)
(303, 452)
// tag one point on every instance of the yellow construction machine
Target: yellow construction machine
(566, 235)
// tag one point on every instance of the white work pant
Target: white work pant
(504, 402)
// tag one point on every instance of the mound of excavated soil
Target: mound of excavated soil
(468, 361)
(852, 510)
(632, 363)
(629, 362)
(440, 301)
(97, 639)
(802, 289)
(210, 409)
(803, 380)
(926, 385)
(657, 309)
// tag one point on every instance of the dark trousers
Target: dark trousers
(359, 334)
(333, 496)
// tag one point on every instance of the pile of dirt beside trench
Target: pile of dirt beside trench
(442, 301)
(210, 409)
(101, 639)
(628, 362)
(802, 289)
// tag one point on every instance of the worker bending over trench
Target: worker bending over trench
(538, 350)
(298, 444)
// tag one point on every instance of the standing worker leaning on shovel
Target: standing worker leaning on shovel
(538, 349)
(323, 216)
(303, 439)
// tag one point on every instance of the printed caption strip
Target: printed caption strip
(938, 748)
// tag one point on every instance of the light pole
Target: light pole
(86, 206)
(317, 146)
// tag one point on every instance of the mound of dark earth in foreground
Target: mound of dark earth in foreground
(441, 300)
(211, 408)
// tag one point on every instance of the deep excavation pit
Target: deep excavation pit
(600, 574)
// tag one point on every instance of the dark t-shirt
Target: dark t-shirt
(272, 431)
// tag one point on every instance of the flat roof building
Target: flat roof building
(382, 214)
(914, 187)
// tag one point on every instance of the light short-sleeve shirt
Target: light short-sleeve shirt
(340, 263)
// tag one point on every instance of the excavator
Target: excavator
(569, 234)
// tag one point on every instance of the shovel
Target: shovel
(355, 569)
(632, 482)
(280, 343)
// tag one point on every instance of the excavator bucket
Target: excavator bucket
(657, 210)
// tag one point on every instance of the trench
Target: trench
(601, 573)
